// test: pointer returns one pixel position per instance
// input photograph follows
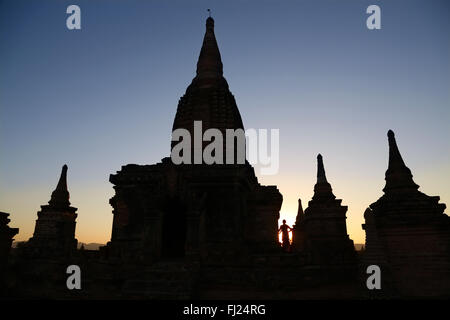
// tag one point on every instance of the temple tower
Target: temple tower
(408, 234)
(321, 230)
(212, 212)
(54, 233)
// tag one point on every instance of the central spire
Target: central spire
(209, 65)
(208, 97)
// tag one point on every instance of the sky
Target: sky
(106, 95)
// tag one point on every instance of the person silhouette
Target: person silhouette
(284, 229)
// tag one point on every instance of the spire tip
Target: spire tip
(320, 169)
(391, 134)
(209, 20)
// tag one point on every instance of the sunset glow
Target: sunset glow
(309, 72)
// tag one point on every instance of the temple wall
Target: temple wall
(419, 259)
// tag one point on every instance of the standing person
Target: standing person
(284, 229)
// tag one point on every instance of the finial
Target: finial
(60, 196)
(209, 12)
(322, 189)
(395, 158)
(391, 134)
(398, 175)
(391, 140)
(62, 183)
(320, 170)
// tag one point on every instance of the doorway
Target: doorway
(173, 230)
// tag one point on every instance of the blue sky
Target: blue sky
(106, 95)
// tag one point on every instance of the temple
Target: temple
(212, 213)
(321, 230)
(210, 230)
(54, 233)
(408, 234)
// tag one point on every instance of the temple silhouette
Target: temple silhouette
(211, 212)
(211, 231)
